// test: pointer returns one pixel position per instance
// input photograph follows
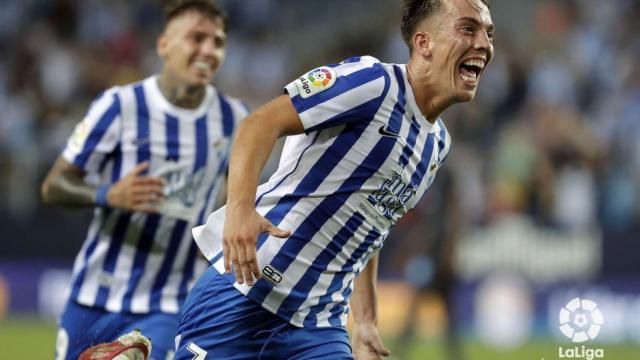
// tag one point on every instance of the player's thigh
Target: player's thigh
(317, 343)
(220, 322)
(81, 327)
(200, 290)
(227, 339)
(160, 328)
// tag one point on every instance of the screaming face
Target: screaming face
(471, 45)
(461, 37)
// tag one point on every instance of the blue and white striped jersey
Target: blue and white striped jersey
(137, 262)
(366, 158)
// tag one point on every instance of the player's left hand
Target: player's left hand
(366, 343)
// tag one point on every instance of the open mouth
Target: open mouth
(470, 70)
(203, 65)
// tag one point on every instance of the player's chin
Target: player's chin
(465, 95)
(201, 78)
(465, 89)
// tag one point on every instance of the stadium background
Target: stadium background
(545, 169)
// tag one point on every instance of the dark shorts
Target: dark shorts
(82, 327)
(219, 322)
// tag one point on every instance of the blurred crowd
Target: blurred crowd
(553, 136)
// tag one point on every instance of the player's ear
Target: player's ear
(161, 45)
(422, 43)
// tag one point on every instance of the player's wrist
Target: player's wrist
(241, 206)
(101, 195)
(366, 321)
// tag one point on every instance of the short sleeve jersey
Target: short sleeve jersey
(138, 262)
(365, 159)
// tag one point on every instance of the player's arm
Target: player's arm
(365, 340)
(254, 142)
(65, 186)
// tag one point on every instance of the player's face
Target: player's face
(192, 47)
(463, 46)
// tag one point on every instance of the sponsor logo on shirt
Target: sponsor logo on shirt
(385, 132)
(183, 185)
(386, 204)
(180, 190)
(272, 274)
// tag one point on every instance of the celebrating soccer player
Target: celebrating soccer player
(364, 141)
(150, 157)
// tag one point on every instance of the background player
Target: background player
(150, 157)
(372, 144)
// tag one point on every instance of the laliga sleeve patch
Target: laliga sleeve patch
(316, 81)
(79, 136)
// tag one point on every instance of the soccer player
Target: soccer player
(150, 157)
(365, 140)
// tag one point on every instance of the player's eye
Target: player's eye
(467, 29)
(220, 42)
(198, 37)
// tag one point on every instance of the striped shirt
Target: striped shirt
(365, 159)
(137, 262)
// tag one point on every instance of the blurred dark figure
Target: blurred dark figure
(430, 271)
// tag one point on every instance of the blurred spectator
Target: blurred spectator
(553, 135)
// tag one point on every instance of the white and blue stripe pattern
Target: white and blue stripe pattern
(136, 262)
(367, 157)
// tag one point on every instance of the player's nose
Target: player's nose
(208, 47)
(482, 43)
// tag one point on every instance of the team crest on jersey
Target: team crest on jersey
(316, 81)
(433, 169)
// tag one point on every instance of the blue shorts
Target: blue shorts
(220, 322)
(82, 327)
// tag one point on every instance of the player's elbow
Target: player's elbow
(45, 192)
(49, 193)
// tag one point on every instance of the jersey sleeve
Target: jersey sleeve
(97, 135)
(334, 95)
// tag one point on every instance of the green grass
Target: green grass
(27, 338)
(31, 338)
(534, 350)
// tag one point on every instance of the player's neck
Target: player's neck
(430, 101)
(184, 96)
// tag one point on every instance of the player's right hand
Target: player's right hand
(241, 230)
(137, 192)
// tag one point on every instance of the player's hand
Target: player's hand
(366, 343)
(240, 233)
(136, 192)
